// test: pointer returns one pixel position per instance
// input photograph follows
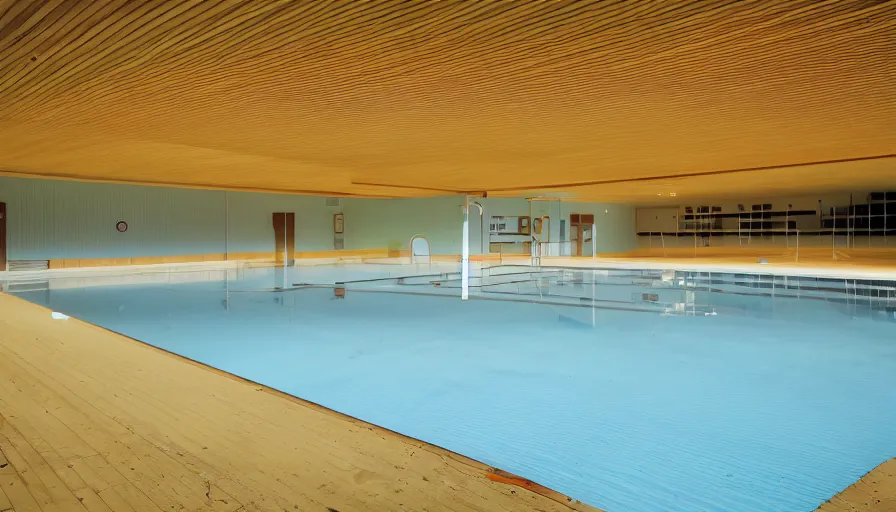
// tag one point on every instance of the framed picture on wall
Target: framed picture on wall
(338, 223)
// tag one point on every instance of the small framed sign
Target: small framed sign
(338, 223)
(121, 227)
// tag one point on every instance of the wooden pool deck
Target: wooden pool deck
(874, 492)
(93, 421)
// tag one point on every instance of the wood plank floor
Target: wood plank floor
(874, 492)
(93, 421)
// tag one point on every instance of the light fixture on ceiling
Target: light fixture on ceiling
(672, 194)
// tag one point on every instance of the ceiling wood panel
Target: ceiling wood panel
(425, 98)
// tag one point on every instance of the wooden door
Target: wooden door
(580, 224)
(284, 237)
(3, 259)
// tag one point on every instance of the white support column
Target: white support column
(285, 248)
(465, 253)
(594, 239)
(533, 243)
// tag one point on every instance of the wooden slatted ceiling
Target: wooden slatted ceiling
(425, 98)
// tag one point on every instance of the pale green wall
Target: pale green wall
(372, 223)
(251, 228)
(615, 224)
(377, 223)
(51, 219)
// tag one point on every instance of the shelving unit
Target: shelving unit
(875, 218)
(707, 218)
(760, 220)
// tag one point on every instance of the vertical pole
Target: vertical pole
(485, 247)
(750, 229)
(594, 240)
(850, 223)
(677, 229)
(740, 223)
(226, 224)
(285, 250)
(465, 253)
(834, 234)
(593, 310)
(532, 247)
(787, 228)
(551, 241)
(226, 250)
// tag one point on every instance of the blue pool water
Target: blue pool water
(630, 391)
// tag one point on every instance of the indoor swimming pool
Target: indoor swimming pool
(629, 390)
